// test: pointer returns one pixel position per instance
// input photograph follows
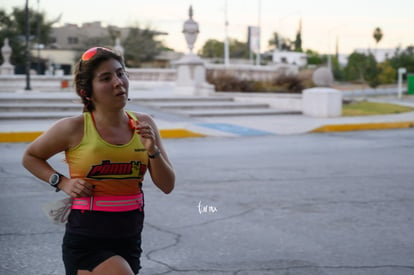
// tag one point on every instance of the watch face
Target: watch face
(54, 179)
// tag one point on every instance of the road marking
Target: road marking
(235, 129)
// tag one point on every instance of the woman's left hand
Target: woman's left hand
(148, 136)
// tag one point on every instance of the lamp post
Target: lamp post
(329, 44)
(259, 11)
(226, 38)
(38, 37)
(27, 29)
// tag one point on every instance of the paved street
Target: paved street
(333, 203)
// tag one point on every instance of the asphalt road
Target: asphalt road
(338, 203)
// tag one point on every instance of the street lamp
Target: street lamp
(27, 29)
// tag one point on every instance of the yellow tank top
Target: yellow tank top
(115, 170)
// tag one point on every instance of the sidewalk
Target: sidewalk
(172, 126)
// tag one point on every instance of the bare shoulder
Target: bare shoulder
(64, 134)
(70, 124)
(69, 130)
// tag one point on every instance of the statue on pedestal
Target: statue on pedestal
(190, 30)
(6, 68)
(191, 70)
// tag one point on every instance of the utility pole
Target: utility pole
(38, 37)
(226, 38)
(27, 29)
(259, 33)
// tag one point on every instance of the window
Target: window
(73, 40)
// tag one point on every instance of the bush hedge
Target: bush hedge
(281, 84)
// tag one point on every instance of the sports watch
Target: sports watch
(55, 179)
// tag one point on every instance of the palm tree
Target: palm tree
(378, 35)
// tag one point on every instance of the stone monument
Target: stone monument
(191, 69)
(323, 77)
(190, 30)
(322, 101)
(118, 47)
(6, 68)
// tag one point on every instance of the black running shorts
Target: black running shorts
(85, 253)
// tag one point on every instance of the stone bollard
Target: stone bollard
(322, 102)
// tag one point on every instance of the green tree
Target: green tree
(362, 68)
(314, 58)
(238, 49)
(13, 26)
(274, 41)
(140, 46)
(403, 59)
(298, 42)
(387, 74)
(277, 41)
(212, 48)
(337, 70)
(377, 35)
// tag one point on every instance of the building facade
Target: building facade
(74, 37)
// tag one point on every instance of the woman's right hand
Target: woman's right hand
(76, 188)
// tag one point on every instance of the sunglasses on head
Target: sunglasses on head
(86, 56)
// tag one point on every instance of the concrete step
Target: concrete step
(36, 115)
(55, 106)
(236, 112)
(172, 99)
(39, 107)
(71, 97)
(206, 105)
(39, 97)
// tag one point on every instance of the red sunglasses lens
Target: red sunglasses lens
(91, 52)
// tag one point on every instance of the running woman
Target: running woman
(108, 151)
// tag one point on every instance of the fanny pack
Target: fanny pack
(109, 203)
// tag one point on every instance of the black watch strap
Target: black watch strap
(55, 179)
(156, 154)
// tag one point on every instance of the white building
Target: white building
(292, 58)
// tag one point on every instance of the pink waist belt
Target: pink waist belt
(109, 203)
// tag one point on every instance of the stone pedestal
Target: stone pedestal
(191, 76)
(322, 102)
(6, 68)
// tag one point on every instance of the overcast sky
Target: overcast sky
(352, 22)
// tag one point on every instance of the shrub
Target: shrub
(289, 83)
(281, 84)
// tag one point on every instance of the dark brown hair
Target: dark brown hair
(85, 71)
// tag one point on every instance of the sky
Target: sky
(324, 22)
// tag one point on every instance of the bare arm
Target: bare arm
(58, 138)
(160, 168)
